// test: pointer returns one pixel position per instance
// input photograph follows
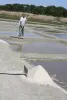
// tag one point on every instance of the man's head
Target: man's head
(23, 15)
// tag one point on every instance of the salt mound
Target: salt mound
(39, 75)
(4, 45)
(2, 41)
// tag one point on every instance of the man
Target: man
(21, 25)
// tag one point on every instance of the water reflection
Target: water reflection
(26, 34)
(63, 36)
(44, 47)
(16, 47)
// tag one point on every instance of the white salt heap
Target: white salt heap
(4, 42)
(4, 46)
(39, 75)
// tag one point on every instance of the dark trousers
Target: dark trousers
(21, 30)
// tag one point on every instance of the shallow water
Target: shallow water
(56, 69)
(9, 33)
(43, 47)
(63, 36)
(25, 34)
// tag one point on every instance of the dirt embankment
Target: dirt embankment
(33, 17)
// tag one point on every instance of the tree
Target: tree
(50, 10)
(60, 11)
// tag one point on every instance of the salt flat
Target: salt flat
(14, 86)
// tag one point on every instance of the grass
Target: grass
(6, 16)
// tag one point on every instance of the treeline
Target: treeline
(49, 10)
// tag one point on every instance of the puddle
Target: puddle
(33, 35)
(62, 36)
(9, 33)
(44, 47)
(25, 34)
(56, 69)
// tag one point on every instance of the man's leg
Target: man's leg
(22, 31)
(20, 28)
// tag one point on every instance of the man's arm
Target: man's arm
(28, 18)
(19, 21)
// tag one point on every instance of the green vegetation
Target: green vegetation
(49, 10)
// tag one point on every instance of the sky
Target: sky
(37, 2)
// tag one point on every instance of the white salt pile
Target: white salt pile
(40, 76)
(4, 42)
(4, 45)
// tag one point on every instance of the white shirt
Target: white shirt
(22, 21)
